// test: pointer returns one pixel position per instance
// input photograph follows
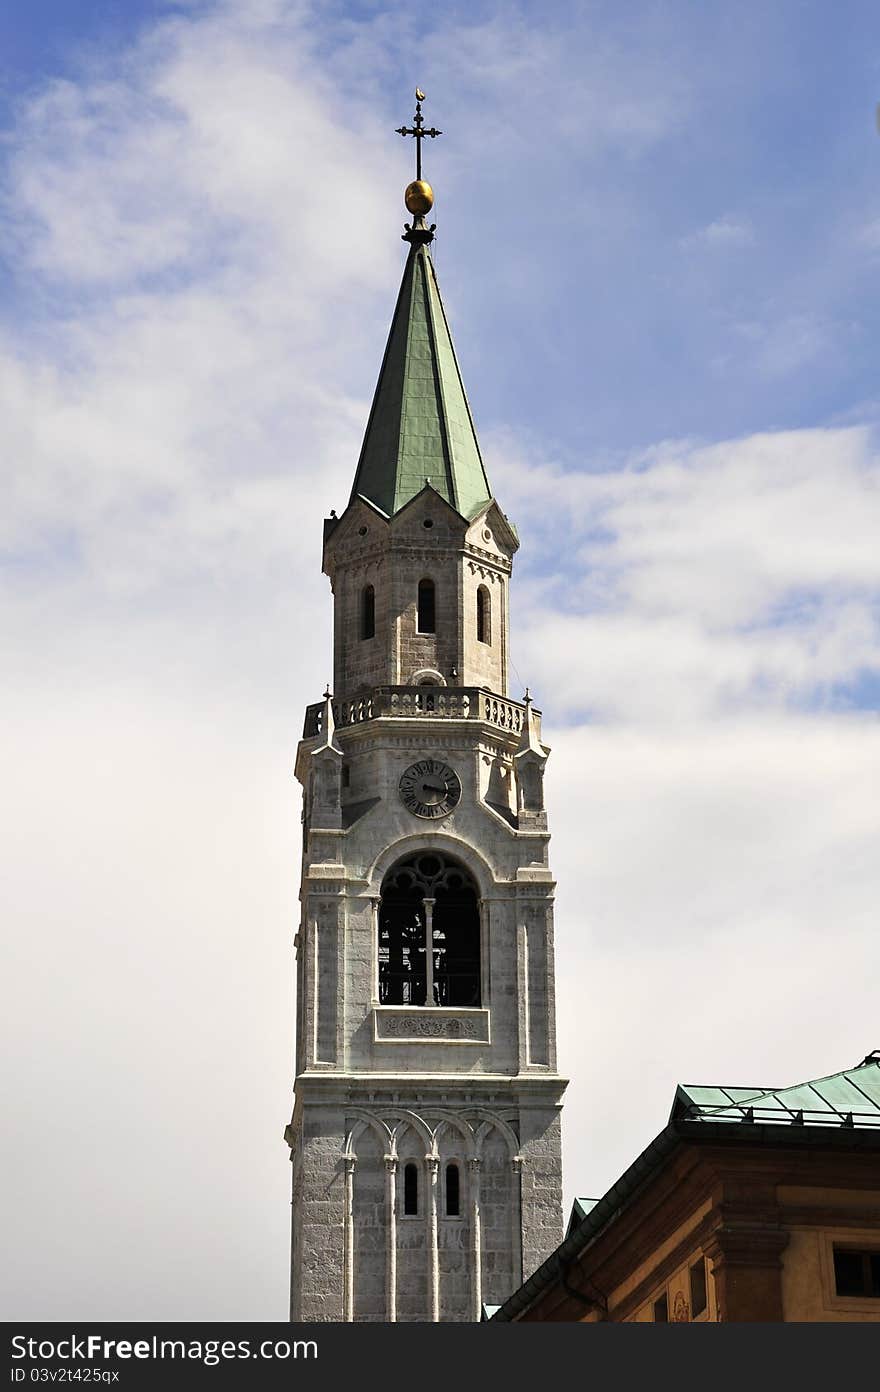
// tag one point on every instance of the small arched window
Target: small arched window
(368, 612)
(484, 615)
(453, 1190)
(427, 622)
(411, 1189)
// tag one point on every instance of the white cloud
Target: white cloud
(705, 580)
(780, 347)
(868, 236)
(210, 144)
(726, 231)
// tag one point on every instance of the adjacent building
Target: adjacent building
(753, 1204)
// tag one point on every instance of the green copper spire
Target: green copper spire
(420, 428)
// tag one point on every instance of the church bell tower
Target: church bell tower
(425, 1136)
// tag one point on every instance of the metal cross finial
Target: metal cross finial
(417, 129)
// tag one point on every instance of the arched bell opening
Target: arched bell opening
(429, 933)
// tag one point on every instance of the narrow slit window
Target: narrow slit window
(453, 1191)
(427, 607)
(411, 1190)
(661, 1310)
(484, 615)
(368, 612)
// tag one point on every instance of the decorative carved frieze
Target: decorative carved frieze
(444, 1025)
(373, 559)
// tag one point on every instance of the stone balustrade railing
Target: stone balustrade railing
(413, 702)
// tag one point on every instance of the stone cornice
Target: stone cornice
(491, 558)
(519, 1084)
(747, 1244)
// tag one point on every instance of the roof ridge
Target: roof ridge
(457, 366)
(855, 1084)
(789, 1087)
(414, 290)
(443, 414)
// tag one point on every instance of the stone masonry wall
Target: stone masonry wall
(427, 540)
(318, 1193)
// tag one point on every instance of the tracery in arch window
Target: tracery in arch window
(427, 607)
(429, 933)
(484, 615)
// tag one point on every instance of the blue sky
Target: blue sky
(708, 255)
(659, 245)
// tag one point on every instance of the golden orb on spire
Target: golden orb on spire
(419, 197)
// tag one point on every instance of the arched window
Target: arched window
(484, 615)
(411, 1189)
(427, 607)
(368, 612)
(453, 1190)
(429, 933)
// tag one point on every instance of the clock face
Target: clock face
(429, 788)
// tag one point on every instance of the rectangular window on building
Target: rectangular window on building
(857, 1272)
(698, 1287)
(661, 1310)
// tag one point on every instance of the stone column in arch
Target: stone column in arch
(432, 1165)
(391, 1232)
(348, 1252)
(516, 1253)
(476, 1237)
(374, 919)
(429, 950)
(483, 909)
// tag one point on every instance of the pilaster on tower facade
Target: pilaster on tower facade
(425, 1136)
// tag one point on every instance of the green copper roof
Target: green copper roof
(850, 1098)
(420, 425)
